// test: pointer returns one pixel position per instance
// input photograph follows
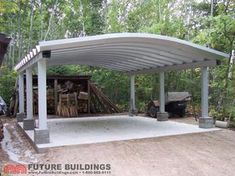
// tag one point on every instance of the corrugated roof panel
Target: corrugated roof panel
(128, 52)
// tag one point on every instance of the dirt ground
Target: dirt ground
(198, 154)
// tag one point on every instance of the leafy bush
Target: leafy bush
(7, 83)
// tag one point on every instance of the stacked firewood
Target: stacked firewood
(71, 104)
(1, 131)
(69, 99)
(83, 102)
(50, 101)
(68, 87)
(68, 105)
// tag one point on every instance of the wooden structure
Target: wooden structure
(71, 96)
(60, 91)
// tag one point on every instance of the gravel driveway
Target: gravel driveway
(199, 154)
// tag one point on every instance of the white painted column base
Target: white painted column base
(41, 136)
(206, 122)
(20, 116)
(162, 116)
(28, 124)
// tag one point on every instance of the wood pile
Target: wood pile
(83, 101)
(68, 105)
(72, 104)
(70, 97)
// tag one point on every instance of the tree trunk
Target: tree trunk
(50, 20)
(31, 24)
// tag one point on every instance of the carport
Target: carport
(129, 53)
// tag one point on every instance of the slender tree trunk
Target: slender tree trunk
(31, 24)
(41, 19)
(13, 51)
(19, 32)
(9, 58)
(159, 11)
(230, 74)
(83, 33)
(50, 20)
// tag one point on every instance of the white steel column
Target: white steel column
(205, 121)
(29, 93)
(42, 95)
(132, 100)
(21, 92)
(162, 92)
(162, 115)
(204, 92)
(28, 122)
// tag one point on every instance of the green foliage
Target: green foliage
(114, 85)
(63, 70)
(223, 33)
(215, 114)
(7, 83)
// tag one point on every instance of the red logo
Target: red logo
(15, 169)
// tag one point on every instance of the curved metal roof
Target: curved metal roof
(125, 52)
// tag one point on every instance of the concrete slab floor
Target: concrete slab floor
(73, 131)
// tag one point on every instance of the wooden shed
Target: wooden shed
(71, 96)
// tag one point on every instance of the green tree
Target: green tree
(7, 83)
